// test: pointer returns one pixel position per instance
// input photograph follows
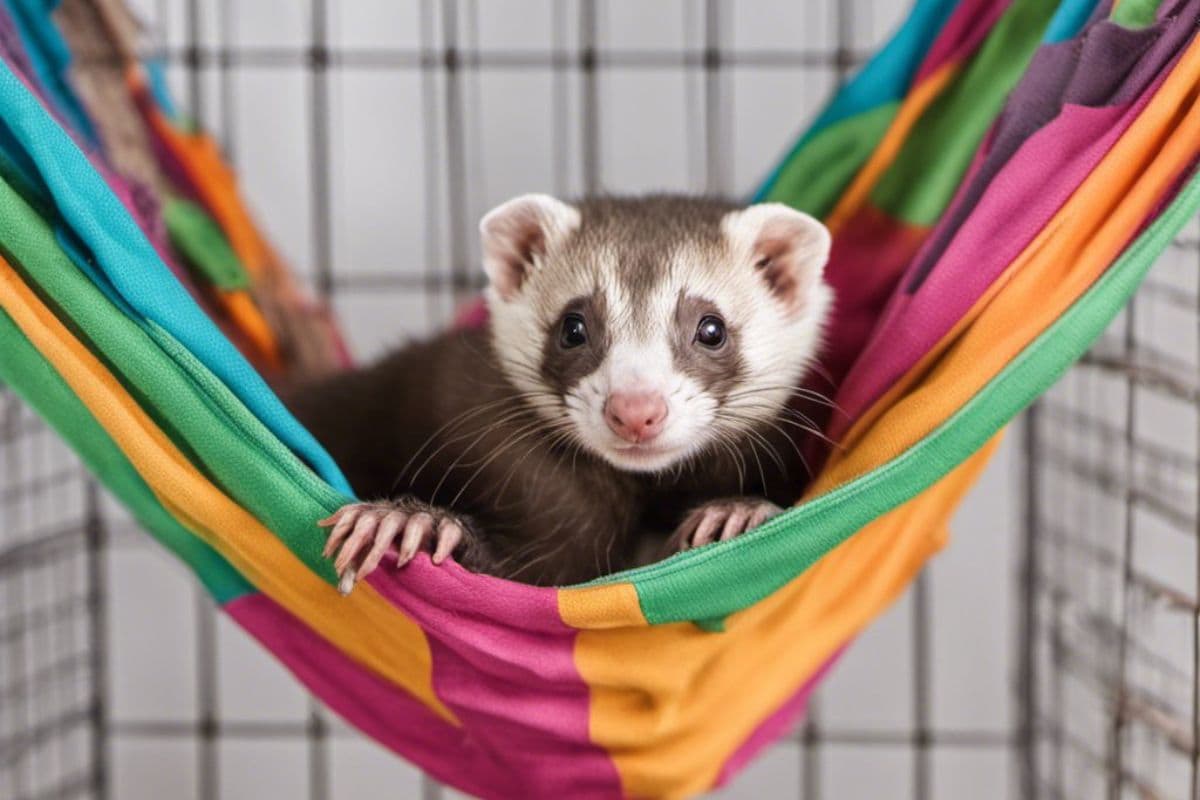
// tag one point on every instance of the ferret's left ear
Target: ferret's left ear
(788, 248)
(516, 234)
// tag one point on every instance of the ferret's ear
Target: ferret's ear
(518, 233)
(788, 248)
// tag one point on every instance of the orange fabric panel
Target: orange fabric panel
(250, 321)
(1071, 252)
(612, 606)
(217, 184)
(911, 109)
(671, 703)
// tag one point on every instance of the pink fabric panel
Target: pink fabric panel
(525, 768)
(503, 661)
(966, 29)
(867, 259)
(1015, 208)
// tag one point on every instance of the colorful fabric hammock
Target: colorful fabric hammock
(999, 179)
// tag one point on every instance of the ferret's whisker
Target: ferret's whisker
(523, 434)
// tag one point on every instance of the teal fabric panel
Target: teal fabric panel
(51, 60)
(120, 250)
(885, 77)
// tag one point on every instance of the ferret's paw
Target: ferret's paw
(363, 532)
(720, 520)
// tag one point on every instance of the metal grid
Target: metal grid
(1111, 657)
(52, 710)
(1093, 616)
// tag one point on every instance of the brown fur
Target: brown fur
(547, 512)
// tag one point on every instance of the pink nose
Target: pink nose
(635, 416)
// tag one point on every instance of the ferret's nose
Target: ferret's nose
(635, 416)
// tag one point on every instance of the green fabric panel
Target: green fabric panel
(302, 497)
(922, 181)
(203, 244)
(717, 580)
(716, 625)
(814, 178)
(1136, 13)
(32, 377)
(206, 420)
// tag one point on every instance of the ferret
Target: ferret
(629, 393)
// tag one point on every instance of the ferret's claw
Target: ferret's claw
(711, 520)
(721, 520)
(343, 523)
(416, 534)
(364, 532)
(346, 584)
(449, 536)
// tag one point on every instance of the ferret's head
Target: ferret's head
(648, 330)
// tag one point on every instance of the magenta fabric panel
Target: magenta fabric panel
(172, 167)
(778, 724)
(1016, 204)
(378, 708)
(503, 662)
(1012, 213)
(868, 257)
(963, 33)
(404, 725)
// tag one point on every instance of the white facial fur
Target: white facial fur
(758, 269)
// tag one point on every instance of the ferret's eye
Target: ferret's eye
(573, 333)
(710, 332)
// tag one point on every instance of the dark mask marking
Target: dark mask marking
(563, 368)
(717, 371)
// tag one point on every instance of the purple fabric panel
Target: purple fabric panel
(1009, 217)
(503, 662)
(1105, 65)
(1025, 193)
(778, 724)
(13, 51)
(1032, 104)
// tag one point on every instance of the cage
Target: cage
(1051, 651)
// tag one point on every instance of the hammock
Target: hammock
(999, 179)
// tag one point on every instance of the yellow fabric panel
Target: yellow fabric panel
(671, 703)
(611, 606)
(364, 625)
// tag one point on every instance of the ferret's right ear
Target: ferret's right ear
(518, 233)
(788, 249)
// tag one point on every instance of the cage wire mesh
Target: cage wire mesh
(371, 135)
(51, 614)
(1111, 571)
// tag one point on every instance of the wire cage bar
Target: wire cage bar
(1111, 610)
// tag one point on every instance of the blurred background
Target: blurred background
(370, 136)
